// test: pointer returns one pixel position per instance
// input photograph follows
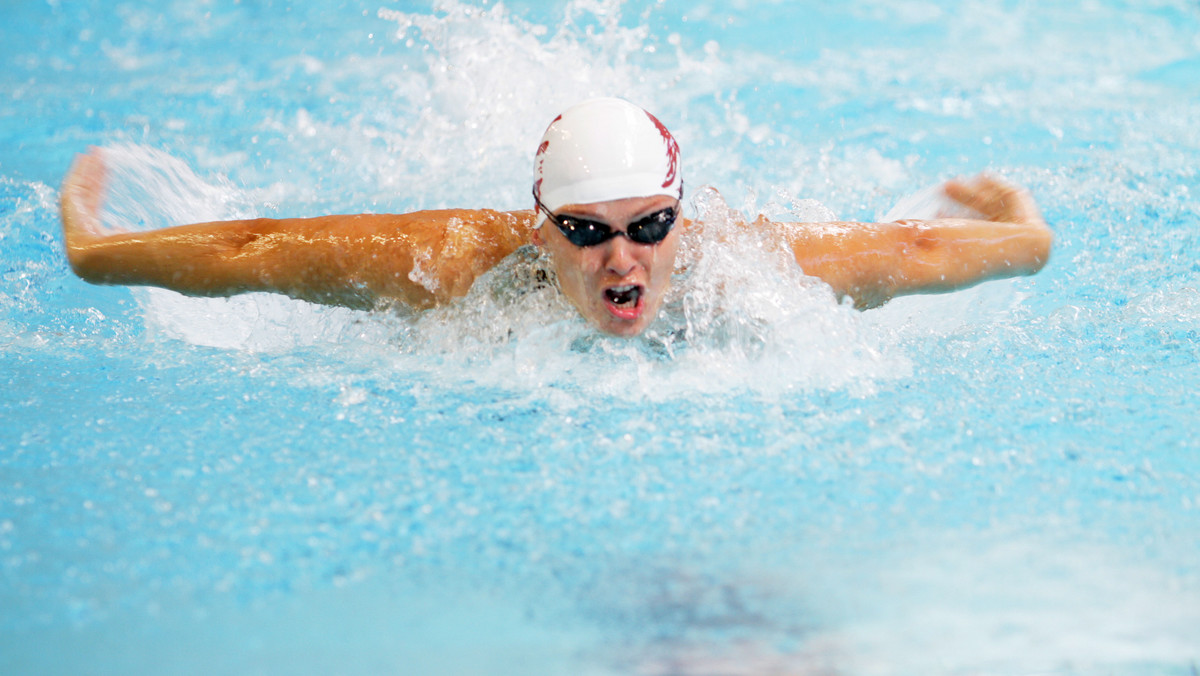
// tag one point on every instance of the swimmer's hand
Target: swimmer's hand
(870, 263)
(996, 201)
(81, 198)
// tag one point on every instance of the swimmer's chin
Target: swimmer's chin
(621, 331)
(624, 328)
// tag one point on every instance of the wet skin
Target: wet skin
(617, 285)
(363, 260)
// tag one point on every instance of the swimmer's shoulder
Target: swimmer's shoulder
(420, 258)
(481, 238)
(467, 243)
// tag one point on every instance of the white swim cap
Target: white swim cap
(604, 149)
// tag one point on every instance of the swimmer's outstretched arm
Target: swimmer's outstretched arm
(419, 259)
(874, 262)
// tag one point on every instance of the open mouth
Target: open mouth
(624, 301)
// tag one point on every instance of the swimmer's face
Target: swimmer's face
(617, 285)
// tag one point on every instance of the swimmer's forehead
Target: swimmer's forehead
(636, 204)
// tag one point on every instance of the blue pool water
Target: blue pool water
(998, 481)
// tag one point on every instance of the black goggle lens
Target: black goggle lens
(583, 232)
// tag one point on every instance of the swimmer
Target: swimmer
(606, 210)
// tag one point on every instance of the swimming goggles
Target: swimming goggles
(583, 232)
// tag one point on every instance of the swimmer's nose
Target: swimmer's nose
(620, 260)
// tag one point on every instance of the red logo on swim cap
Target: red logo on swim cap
(672, 152)
(538, 160)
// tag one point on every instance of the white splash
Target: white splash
(745, 316)
(150, 189)
(928, 203)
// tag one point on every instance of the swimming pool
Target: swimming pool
(998, 481)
